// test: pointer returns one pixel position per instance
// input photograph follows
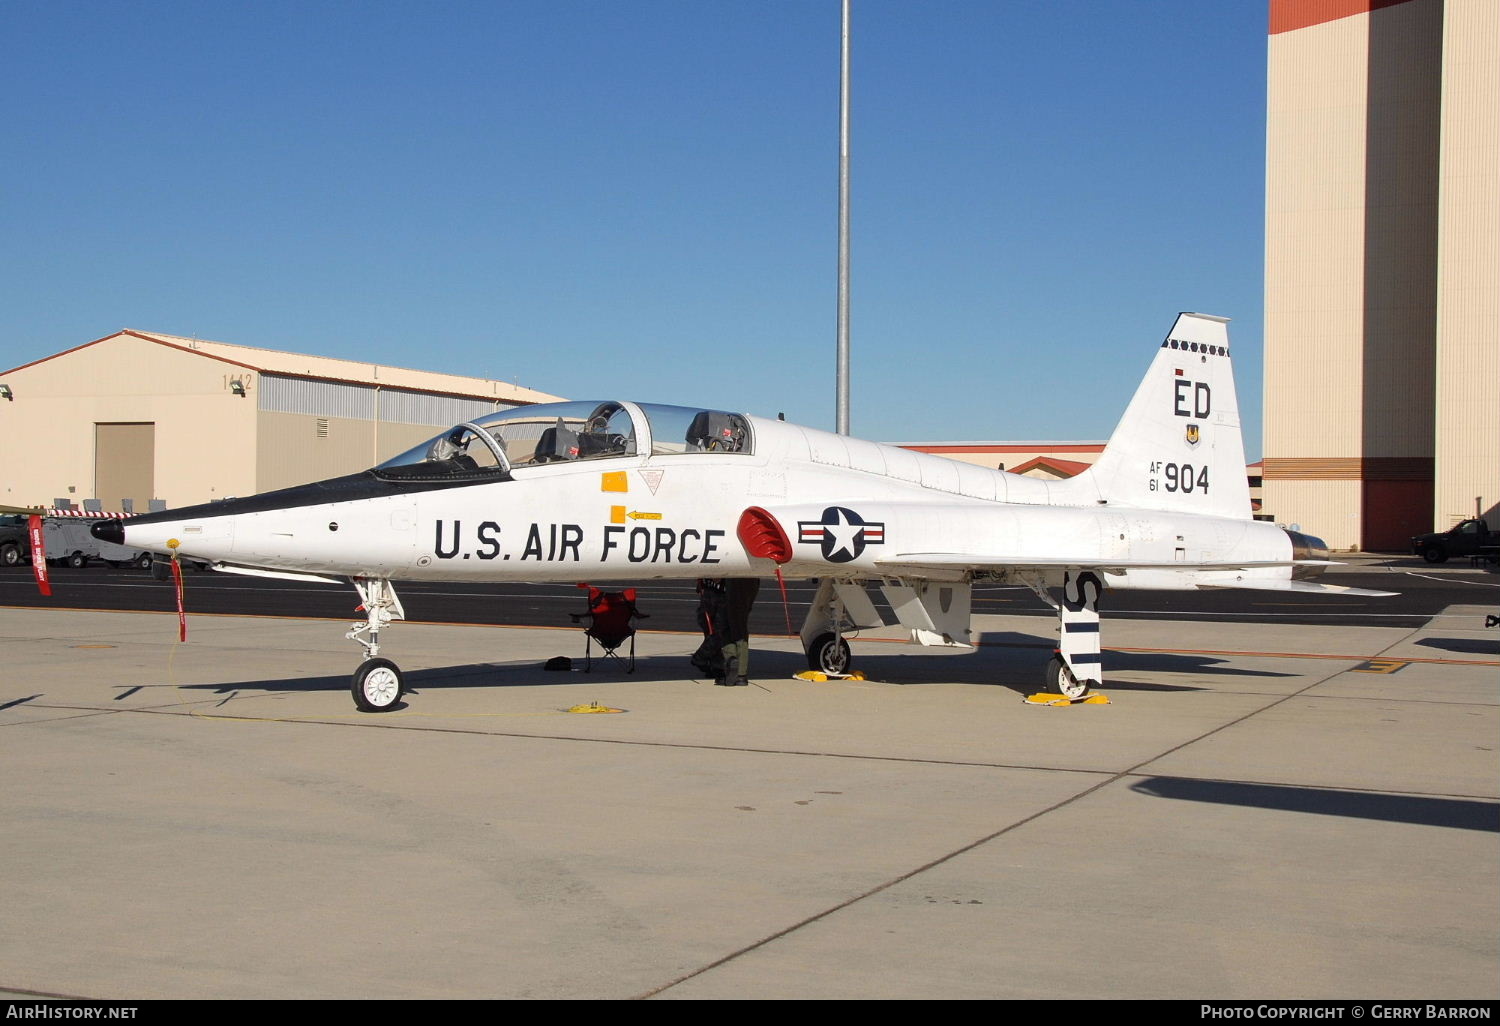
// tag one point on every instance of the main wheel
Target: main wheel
(1061, 678)
(77, 560)
(10, 555)
(1435, 554)
(144, 560)
(829, 653)
(377, 685)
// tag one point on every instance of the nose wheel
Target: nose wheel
(377, 685)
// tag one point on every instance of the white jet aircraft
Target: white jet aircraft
(619, 491)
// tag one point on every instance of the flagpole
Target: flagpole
(843, 316)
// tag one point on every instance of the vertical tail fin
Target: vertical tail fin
(1178, 447)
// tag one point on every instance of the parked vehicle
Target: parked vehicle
(15, 542)
(122, 556)
(68, 542)
(1470, 538)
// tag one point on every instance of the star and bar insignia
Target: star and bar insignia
(842, 534)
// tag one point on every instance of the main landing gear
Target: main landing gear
(829, 654)
(1078, 664)
(377, 685)
(823, 629)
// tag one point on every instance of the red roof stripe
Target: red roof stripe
(1290, 15)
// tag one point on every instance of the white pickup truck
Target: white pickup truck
(67, 541)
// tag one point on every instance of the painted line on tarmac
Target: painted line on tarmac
(195, 714)
(1448, 580)
(1307, 655)
(1229, 652)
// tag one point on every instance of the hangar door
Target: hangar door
(124, 464)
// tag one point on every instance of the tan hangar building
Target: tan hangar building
(140, 415)
(1382, 330)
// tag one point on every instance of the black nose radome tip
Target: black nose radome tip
(110, 531)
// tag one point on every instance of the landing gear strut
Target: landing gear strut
(1077, 666)
(823, 630)
(377, 685)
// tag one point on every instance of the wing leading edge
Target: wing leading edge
(912, 563)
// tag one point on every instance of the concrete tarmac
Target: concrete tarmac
(1261, 812)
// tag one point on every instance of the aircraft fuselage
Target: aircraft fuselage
(676, 516)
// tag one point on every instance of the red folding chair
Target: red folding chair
(609, 623)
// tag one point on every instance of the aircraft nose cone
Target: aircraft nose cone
(110, 531)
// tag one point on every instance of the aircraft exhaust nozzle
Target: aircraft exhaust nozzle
(110, 531)
(1305, 546)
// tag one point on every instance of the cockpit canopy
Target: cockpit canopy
(493, 445)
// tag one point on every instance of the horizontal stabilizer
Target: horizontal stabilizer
(1308, 586)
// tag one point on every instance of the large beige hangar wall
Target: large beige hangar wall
(204, 434)
(1315, 168)
(1315, 193)
(1354, 133)
(297, 448)
(189, 420)
(1468, 356)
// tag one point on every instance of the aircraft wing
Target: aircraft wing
(1313, 586)
(972, 561)
(915, 562)
(283, 575)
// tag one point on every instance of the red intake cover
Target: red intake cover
(763, 537)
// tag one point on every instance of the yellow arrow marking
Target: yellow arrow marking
(636, 515)
(1381, 666)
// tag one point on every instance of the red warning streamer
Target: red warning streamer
(181, 613)
(38, 553)
(786, 608)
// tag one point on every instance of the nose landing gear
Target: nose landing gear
(377, 686)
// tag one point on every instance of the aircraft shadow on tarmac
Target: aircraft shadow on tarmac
(1017, 667)
(501, 674)
(1026, 649)
(1422, 810)
(1172, 662)
(1478, 646)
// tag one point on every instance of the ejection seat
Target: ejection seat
(557, 443)
(712, 431)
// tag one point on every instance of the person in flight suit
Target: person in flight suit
(739, 598)
(709, 659)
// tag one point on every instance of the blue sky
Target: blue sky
(638, 198)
